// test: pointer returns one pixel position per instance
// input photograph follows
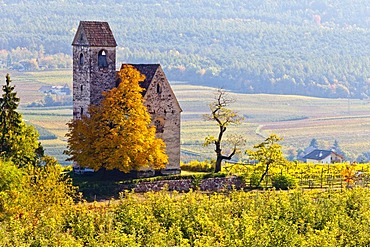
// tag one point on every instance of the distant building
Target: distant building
(318, 156)
(94, 71)
(303, 153)
(57, 90)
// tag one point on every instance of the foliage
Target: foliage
(34, 196)
(198, 166)
(314, 143)
(223, 117)
(284, 182)
(254, 179)
(10, 119)
(268, 154)
(117, 134)
(18, 142)
(348, 174)
(270, 218)
(255, 46)
(10, 183)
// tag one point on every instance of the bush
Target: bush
(198, 166)
(10, 176)
(284, 182)
(254, 179)
(10, 180)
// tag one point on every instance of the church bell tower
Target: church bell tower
(94, 65)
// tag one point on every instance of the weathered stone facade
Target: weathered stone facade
(94, 65)
(94, 71)
(164, 111)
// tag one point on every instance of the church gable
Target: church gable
(148, 70)
(93, 33)
(157, 93)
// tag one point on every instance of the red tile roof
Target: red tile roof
(97, 34)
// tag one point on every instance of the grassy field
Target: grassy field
(297, 119)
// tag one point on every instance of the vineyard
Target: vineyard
(307, 176)
(269, 218)
(40, 206)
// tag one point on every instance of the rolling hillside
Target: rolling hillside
(298, 119)
(301, 47)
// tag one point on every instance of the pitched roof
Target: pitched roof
(96, 33)
(148, 70)
(318, 154)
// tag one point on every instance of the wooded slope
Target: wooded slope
(317, 48)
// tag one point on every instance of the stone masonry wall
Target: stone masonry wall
(89, 81)
(163, 109)
(184, 185)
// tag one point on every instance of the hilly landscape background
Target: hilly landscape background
(303, 47)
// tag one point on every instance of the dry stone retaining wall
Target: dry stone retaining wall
(208, 184)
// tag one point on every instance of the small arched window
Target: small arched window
(82, 59)
(159, 125)
(82, 111)
(82, 88)
(102, 59)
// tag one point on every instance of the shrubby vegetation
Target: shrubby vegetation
(33, 202)
(294, 218)
(304, 47)
(198, 166)
(284, 182)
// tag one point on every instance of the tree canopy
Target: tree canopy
(117, 134)
(269, 154)
(305, 47)
(18, 141)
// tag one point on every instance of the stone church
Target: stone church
(94, 71)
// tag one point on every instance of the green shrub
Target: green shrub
(284, 182)
(254, 179)
(10, 176)
(10, 180)
(198, 166)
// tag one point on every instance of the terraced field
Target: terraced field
(297, 119)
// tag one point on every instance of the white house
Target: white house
(318, 156)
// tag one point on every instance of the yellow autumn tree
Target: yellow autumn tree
(118, 133)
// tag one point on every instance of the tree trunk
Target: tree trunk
(218, 164)
(263, 175)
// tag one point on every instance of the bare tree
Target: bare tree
(223, 117)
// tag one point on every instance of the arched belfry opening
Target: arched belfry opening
(82, 59)
(102, 59)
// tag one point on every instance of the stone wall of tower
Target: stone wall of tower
(102, 79)
(81, 79)
(163, 108)
(89, 79)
